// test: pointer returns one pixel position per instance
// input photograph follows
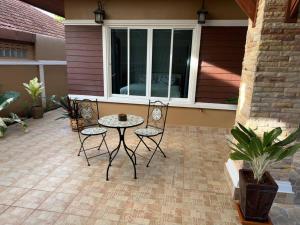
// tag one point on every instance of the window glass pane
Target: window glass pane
(13, 52)
(160, 62)
(2, 54)
(138, 62)
(20, 53)
(182, 45)
(7, 52)
(119, 61)
(24, 53)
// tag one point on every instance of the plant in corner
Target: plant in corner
(69, 111)
(34, 89)
(5, 100)
(257, 187)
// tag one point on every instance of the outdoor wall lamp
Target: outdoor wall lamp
(99, 13)
(202, 14)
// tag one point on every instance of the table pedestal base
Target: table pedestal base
(114, 153)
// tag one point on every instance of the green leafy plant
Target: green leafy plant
(5, 100)
(34, 89)
(262, 152)
(66, 103)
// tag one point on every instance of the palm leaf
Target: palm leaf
(241, 137)
(238, 156)
(7, 98)
(274, 151)
(269, 137)
(249, 132)
(256, 146)
(291, 138)
(288, 152)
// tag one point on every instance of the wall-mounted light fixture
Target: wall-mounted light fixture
(202, 13)
(99, 13)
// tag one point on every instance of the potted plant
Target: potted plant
(5, 100)
(70, 111)
(257, 187)
(34, 89)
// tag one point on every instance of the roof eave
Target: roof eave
(15, 35)
(54, 6)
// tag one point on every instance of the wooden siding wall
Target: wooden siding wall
(220, 63)
(84, 60)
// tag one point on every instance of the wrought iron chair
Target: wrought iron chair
(155, 127)
(88, 111)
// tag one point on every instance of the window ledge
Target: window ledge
(144, 101)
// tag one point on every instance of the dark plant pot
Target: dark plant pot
(76, 126)
(256, 199)
(37, 112)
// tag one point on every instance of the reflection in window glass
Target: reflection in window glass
(182, 45)
(160, 62)
(13, 52)
(7, 52)
(138, 62)
(119, 60)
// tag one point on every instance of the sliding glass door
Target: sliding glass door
(119, 54)
(182, 46)
(166, 70)
(138, 62)
(161, 49)
(129, 61)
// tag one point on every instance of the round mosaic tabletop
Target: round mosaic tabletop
(113, 121)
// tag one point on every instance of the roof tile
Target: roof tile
(20, 16)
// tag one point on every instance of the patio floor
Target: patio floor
(43, 181)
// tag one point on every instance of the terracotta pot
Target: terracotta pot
(74, 126)
(37, 111)
(256, 199)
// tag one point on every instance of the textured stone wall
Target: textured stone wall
(270, 85)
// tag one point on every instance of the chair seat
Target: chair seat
(93, 131)
(148, 132)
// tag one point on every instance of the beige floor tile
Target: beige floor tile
(3, 208)
(71, 220)
(95, 221)
(49, 183)
(57, 202)
(10, 178)
(83, 204)
(14, 216)
(40, 217)
(28, 181)
(71, 186)
(32, 199)
(11, 194)
(62, 171)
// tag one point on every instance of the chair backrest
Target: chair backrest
(157, 114)
(88, 111)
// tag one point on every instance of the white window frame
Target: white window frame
(150, 25)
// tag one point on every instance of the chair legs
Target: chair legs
(156, 147)
(82, 149)
(103, 138)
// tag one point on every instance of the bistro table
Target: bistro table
(112, 121)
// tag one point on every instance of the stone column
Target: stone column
(270, 84)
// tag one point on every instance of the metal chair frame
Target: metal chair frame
(76, 104)
(157, 143)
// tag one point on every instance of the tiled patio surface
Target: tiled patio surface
(43, 181)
